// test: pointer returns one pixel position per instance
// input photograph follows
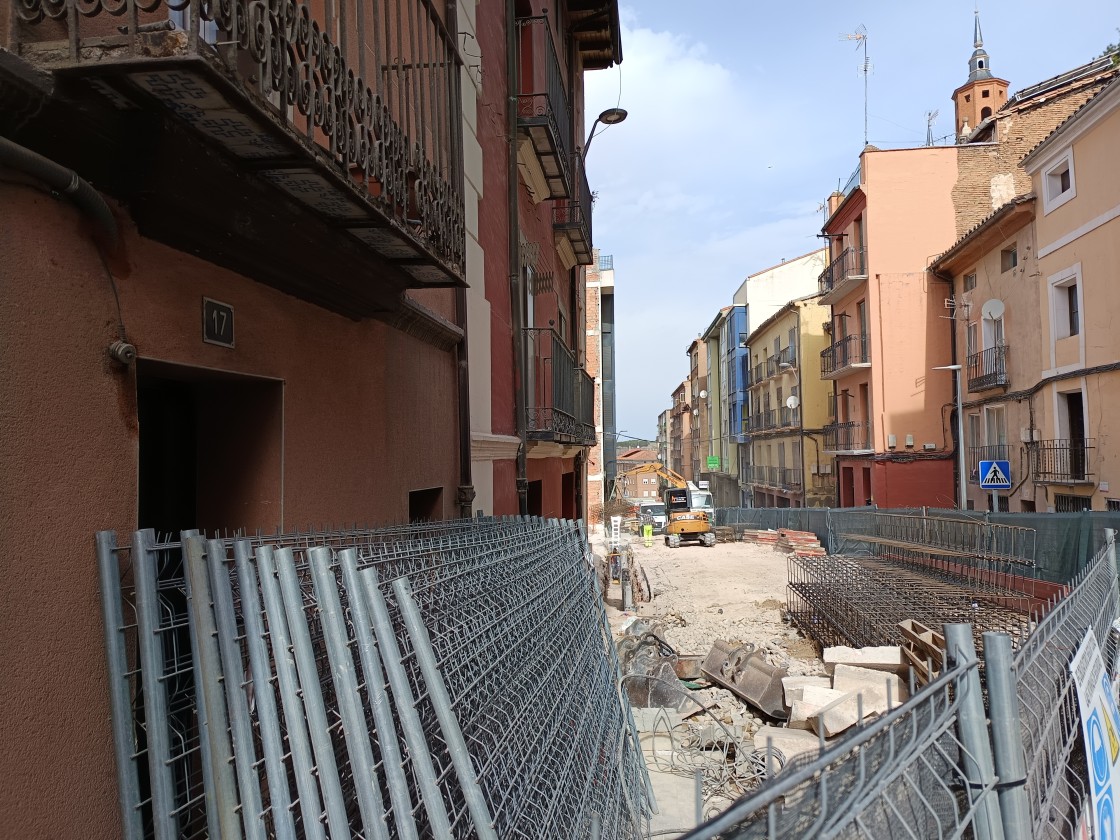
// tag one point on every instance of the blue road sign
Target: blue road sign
(995, 475)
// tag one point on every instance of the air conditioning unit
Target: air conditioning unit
(826, 469)
(929, 447)
(1030, 435)
(812, 469)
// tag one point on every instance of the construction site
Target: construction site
(811, 673)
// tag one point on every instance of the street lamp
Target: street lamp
(611, 116)
(962, 492)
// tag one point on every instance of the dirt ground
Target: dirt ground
(732, 591)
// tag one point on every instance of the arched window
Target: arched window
(985, 113)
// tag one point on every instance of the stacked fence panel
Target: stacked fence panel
(444, 680)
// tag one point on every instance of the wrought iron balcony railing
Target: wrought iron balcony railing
(561, 395)
(782, 478)
(854, 351)
(850, 437)
(988, 368)
(1062, 461)
(572, 216)
(354, 117)
(543, 113)
(992, 452)
(758, 374)
(788, 417)
(842, 275)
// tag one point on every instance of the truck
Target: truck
(688, 508)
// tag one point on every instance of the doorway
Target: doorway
(425, 505)
(534, 502)
(210, 450)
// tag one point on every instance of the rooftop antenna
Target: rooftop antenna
(931, 117)
(860, 37)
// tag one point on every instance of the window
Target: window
(1073, 309)
(970, 282)
(1112, 504)
(984, 94)
(1008, 258)
(968, 97)
(1064, 503)
(1058, 183)
(971, 347)
(1066, 303)
(1026, 506)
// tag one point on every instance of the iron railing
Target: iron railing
(606, 262)
(848, 352)
(992, 452)
(572, 215)
(1062, 461)
(788, 417)
(988, 368)
(849, 265)
(853, 436)
(542, 105)
(852, 183)
(561, 394)
(274, 86)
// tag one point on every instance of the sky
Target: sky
(744, 116)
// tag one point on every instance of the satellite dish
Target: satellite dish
(703, 394)
(992, 310)
(792, 402)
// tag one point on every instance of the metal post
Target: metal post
(392, 760)
(441, 703)
(264, 701)
(972, 728)
(354, 729)
(1007, 736)
(962, 475)
(412, 728)
(124, 739)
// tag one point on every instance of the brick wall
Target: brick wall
(989, 174)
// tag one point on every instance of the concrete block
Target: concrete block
(843, 713)
(791, 687)
(809, 706)
(884, 658)
(655, 718)
(792, 742)
(868, 681)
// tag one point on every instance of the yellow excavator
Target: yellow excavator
(688, 507)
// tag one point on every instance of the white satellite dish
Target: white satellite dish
(992, 310)
(703, 394)
(793, 401)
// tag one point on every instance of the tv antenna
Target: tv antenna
(931, 117)
(860, 37)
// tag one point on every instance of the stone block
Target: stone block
(791, 742)
(884, 658)
(791, 687)
(841, 714)
(869, 681)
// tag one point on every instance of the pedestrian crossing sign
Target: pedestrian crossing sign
(995, 475)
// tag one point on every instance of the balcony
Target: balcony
(1062, 461)
(560, 395)
(851, 438)
(842, 276)
(976, 454)
(243, 133)
(846, 355)
(781, 478)
(572, 216)
(543, 115)
(988, 369)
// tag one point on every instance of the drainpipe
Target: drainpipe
(465, 495)
(516, 292)
(64, 181)
(959, 425)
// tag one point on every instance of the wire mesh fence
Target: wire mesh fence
(443, 680)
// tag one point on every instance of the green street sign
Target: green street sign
(713, 462)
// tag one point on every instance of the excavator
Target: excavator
(688, 507)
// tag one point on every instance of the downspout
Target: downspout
(465, 494)
(516, 292)
(953, 360)
(67, 183)
(801, 414)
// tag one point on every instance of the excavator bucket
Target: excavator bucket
(744, 671)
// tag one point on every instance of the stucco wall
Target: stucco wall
(368, 415)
